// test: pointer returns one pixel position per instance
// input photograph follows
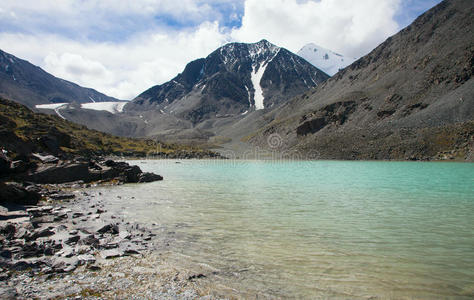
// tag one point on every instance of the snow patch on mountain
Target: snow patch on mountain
(324, 59)
(256, 77)
(111, 107)
(50, 106)
(56, 110)
(258, 69)
(54, 106)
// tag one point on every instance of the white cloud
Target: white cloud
(350, 27)
(149, 53)
(121, 70)
(65, 9)
(68, 63)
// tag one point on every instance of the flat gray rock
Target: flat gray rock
(111, 253)
(86, 258)
(125, 235)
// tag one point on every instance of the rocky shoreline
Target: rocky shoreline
(19, 177)
(75, 248)
(57, 239)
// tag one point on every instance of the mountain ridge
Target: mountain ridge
(23, 131)
(410, 98)
(31, 85)
(242, 76)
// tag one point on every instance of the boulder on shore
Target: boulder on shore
(149, 177)
(61, 173)
(16, 194)
(88, 171)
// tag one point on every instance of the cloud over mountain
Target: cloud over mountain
(121, 48)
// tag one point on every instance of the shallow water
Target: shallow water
(315, 229)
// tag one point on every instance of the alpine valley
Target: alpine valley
(235, 179)
(412, 97)
(215, 100)
(220, 98)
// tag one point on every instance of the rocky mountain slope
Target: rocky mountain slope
(235, 79)
(234, 84)
(23, 132)
(410, 98)
(31, 85)
(324, 59)
(215, 100)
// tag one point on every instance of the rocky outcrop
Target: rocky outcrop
(54, 140)
(149, 177)
(12, 193)
(335, 114)
(60, 173)
(87, 171)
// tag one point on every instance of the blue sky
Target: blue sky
(410, 9)
(123, 47)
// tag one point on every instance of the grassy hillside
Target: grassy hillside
(23, 131)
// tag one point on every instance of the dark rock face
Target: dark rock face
(8, 231)
(311, 126)
(4, 166)
(61, 173)
(53, 140)
(336, 113)
(87, 171)
(16, 194)
(19, 166)
(130, 173)
(223, 83)
(30, 85)
(149, 177)
(42, 232)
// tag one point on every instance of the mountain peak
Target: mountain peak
(255, 51)
(263, 42)
(263, 46)
(234, 79)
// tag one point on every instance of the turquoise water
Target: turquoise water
(322, 229)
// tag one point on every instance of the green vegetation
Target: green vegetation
(87, 292)
(21, 128)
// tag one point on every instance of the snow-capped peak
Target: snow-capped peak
(259, 67)
(260, 55)
(263, 47)
(325, 59)
(235, 52)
